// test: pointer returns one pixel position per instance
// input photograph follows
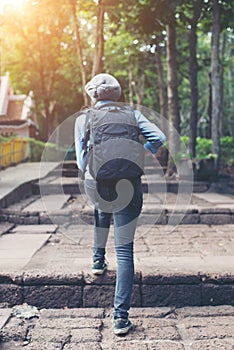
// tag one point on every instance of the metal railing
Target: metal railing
(13, 152)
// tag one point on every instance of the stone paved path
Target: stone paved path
(47, 264)
(196, 328)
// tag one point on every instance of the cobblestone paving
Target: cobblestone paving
(191, 328)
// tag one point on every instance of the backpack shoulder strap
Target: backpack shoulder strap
(87, 113)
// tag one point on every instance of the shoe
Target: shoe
(99, 267)
(121, 326)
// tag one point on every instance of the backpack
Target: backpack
(112, 145)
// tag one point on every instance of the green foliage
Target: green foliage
(204, 149)
(36, 149)
(3, 138)
(227, 150)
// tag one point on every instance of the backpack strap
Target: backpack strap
(88, 112)
(85, 148)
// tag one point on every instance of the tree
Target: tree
(161, 85)
(193, 68)
(79, 49)
(38, 55)
(215, 80)
(99, 41)
(172, 93)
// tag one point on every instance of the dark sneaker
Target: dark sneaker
(121, 326)
(99, 267)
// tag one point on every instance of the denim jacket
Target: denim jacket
(153, 135)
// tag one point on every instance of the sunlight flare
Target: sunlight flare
(10, 3)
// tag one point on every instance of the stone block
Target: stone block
(11, 294)
(206, 332)
(45, 219)
(215, 219)
(70, 323)
(156, 312)
(219, 278)
(81, 336)
(205, 311)
(3, 217)
(11, 278)
(165, 345)
(170, 278)
(191, 219)
(43, 346)
(183, 218)
(42, 335)
(155, 322)
(72, 313)
(215, 210)
(217, 294)
(125, 345)
(31, 220)
(171, 295)
(46, 278)
(153, 219)
(212, 344)
(85, 346)
(98, 296)
(53, 296)
(136, 296)
(19, 220)
(162, 333)
(59, 219)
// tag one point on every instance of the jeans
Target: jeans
(125, 220)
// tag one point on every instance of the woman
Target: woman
(104, 89)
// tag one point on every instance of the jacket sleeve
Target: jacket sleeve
(154, 137)
(79, 134)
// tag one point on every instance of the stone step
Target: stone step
(166, 216)
(186, 266)
(61, 290)
(70, 185)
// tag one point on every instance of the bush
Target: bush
(204, 148)
(5, 138)
(52, 153)
(36, 149)
(227, 150)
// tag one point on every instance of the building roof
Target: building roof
(14, 106)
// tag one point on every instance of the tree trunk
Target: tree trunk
(215, 81)
(99, 42)
(231, 104)
(162, 92)
(193, 68)
(139, 88)
(130, 84)
(79, 50)
(173, 98)
(221, 121)
(209, 110)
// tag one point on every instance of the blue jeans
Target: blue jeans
(125, 220)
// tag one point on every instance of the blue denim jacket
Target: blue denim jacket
(153, 135)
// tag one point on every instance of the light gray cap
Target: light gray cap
(103, 87)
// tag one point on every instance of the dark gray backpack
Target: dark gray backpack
(112, 143)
